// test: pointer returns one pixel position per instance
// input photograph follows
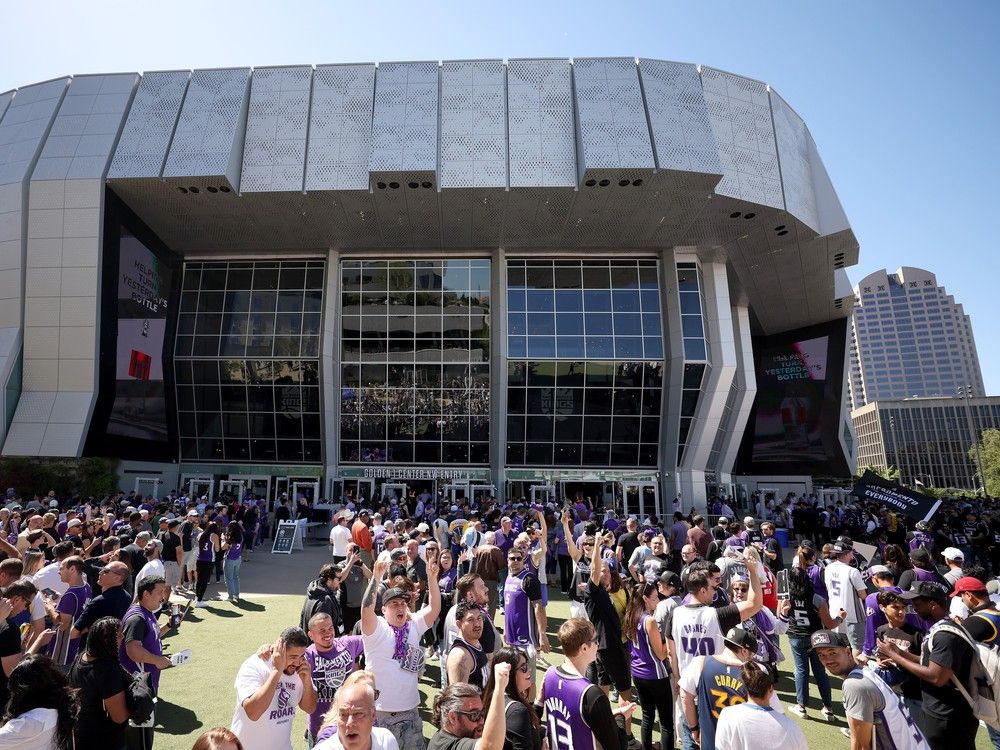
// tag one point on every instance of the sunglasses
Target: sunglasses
(474, 716)
(514, 558)
(744, 589)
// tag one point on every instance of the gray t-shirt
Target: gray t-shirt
(862, 699)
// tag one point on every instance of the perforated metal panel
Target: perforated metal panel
(740, 115)
(611, 116)
(340, 127)
(793, 142)
(473, 124)
(542, 131)
(678, 117)
(5, 98)
(209, 134)
(83, 134)
(142, 148)
(28, 115)
(274, 152)
(405, 118)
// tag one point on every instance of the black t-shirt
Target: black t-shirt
(603, 615)
(187, 531)
(908, 637)
(10, 644)
(629, 542)
(443, 740)
(982, 628)
(135, 557)
(771, 544)
(521, 732)
(97, 681)
(170, 544)
(112, 602)
(946, 702)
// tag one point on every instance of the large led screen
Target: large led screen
(140, 409)
(794, 427)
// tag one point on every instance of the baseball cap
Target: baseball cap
(723, 521)
(842, 545)
(363, 512)
(423, 528)
(922, 526)
(505, 519)
(669, 578)
(953, 553)
(749, 521)
(739, 638)
(828, 639)
(397, 553)
(926, 590)
(877, 570)
(920, 555)
(74, 522)
(192, 512)
(394, 593)
(968, 583)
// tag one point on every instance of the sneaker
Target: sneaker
(798, 710)
(828, 714)
(614, 695)
(429, 653)
(846, 731)
(200, 604)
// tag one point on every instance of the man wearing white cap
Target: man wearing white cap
(954, 558)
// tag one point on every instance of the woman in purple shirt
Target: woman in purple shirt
(208, 545)
(232, 545)
(650, 672)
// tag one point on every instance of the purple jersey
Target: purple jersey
(519, 593)
(63, 648)
(920, 539)
(644, 662)
(564, 722)
(329, 670)
(235, 551)
(150, 642)
(876, 618)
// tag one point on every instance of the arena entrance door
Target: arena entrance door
(542, 493)
(642, 498)
(258, 484)
(357, 488)
(147, 486)
(308, 488)
(391, 490)
(232, 487)
(199, 487)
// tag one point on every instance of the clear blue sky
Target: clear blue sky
(902, 97)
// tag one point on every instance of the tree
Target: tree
(891, 472)
(988, 450)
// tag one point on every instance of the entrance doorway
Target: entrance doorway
(642, 498)
(307, 488)
(357, 488)
(258, 484)
(542, 493)
(147, 486)
(198, 487)
(234, 488)
(393, 490)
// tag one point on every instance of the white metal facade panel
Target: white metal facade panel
(474, 124)
(740, 113)
(208, 140)
(793, 142)
(611, 116)
(274, 153)
(678, 117)
(24, 126)
(405, 118)
(340, 127)
(142, 148)
(541, 125)
(5, 99)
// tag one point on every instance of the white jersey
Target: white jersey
(843, 584)
(894, 727)
(696, 632)
(747, 726)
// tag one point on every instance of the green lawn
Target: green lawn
(200, 694)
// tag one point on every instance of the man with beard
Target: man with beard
(330, 661)
(464, 723)
(471, 588)
(394, 654)
(268, 688)
(523, 611)
(876, 715)
(467, 661)
(657, 562)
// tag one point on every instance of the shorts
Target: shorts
(191, 560)
(406, 726)
(171, 573)
(611, 668)
(856, 635)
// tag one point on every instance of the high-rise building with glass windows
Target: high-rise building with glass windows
(910, 339)
(616, 277)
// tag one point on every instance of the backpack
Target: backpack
(139, 698)
(985, 697)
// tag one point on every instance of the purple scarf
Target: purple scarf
(402, 635)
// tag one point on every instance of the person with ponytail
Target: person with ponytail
(650, 671)
(42, 710)
(100, 682)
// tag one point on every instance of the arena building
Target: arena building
(618, 277)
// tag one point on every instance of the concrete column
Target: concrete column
(673, 375)
(330, 369)
(498, 368)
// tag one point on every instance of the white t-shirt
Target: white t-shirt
(32, 730)
(843, 584)
(152, 568)
(273, 730)
(48, 578)
(395, 681)
(340, 537)
(382, 739)
(747, 726)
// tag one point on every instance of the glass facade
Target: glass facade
(415, 361)
(689, 286)
(585, 363)
(246, 361)
(590, 309)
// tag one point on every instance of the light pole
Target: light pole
(965, 393)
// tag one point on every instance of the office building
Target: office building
(617, 277)
(910, 339)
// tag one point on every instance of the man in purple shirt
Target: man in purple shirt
(69, 608)
(330, 660)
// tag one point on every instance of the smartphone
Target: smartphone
(781, 581)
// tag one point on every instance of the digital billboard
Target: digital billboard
(139, 292)
(794, 427)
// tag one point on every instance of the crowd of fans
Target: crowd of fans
(682, 619)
